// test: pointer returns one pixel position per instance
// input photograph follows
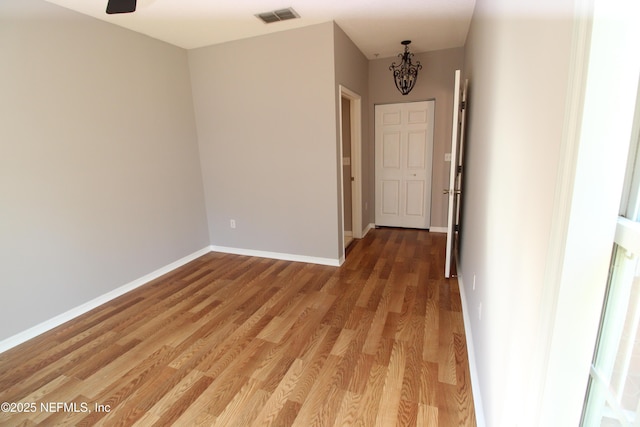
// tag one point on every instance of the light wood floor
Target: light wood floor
(239, 341)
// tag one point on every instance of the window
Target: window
(613, 394)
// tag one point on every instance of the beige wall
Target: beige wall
(518, 68)
(352, 71)
(435, 81)
(99, 176)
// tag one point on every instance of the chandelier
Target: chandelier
(405, 74)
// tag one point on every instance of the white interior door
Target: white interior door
(454, 191)
(404, 149)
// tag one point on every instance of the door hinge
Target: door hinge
(463, 105)
(459, 169)
(457, 227)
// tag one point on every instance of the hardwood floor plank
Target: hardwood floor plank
(347, 414)
(232, 414)
(360, 374)
(464, 393)
(428, 416)
(372, 283)
(377, 325)
(233, 346)
(182, 403)
(413, 369)
(420, 301)
(404, 321)
(368, 406)
(288, 414)
(101, 358)
(238, 341)
(204, 341)
(200, 412)
(431, 341)
(429, 383)
(19, 382)
(342, 343)
(156, 403)
(446, 350)
(397, 292)
(316, 364)
(407, 414)
(116, 394)
(447, 405)
(278, 399)
(275, 371)
(390, 401)
(318, 406)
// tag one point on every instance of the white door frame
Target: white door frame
(453, 176)
(355, 102)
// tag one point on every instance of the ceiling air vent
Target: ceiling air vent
(278, 15)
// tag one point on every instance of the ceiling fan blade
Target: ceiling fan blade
(121, 6)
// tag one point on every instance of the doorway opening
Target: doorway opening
(350, 107)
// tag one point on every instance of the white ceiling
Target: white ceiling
(376, 26)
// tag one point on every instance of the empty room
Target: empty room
(362, 213)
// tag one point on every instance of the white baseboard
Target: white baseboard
(473, 367)
(438, 229)
(277, 255)
(368, 228)
(56, 321)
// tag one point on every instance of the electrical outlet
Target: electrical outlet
(232, 223)
(447, 157)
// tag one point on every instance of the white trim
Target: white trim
(605, 78)
(279, 255)
(58, 320)
(369, 227)
(438, 229)
(631, 191)
(581, 39)
(628, 235)
(471, 354)
(355, 102)
(453, 172)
